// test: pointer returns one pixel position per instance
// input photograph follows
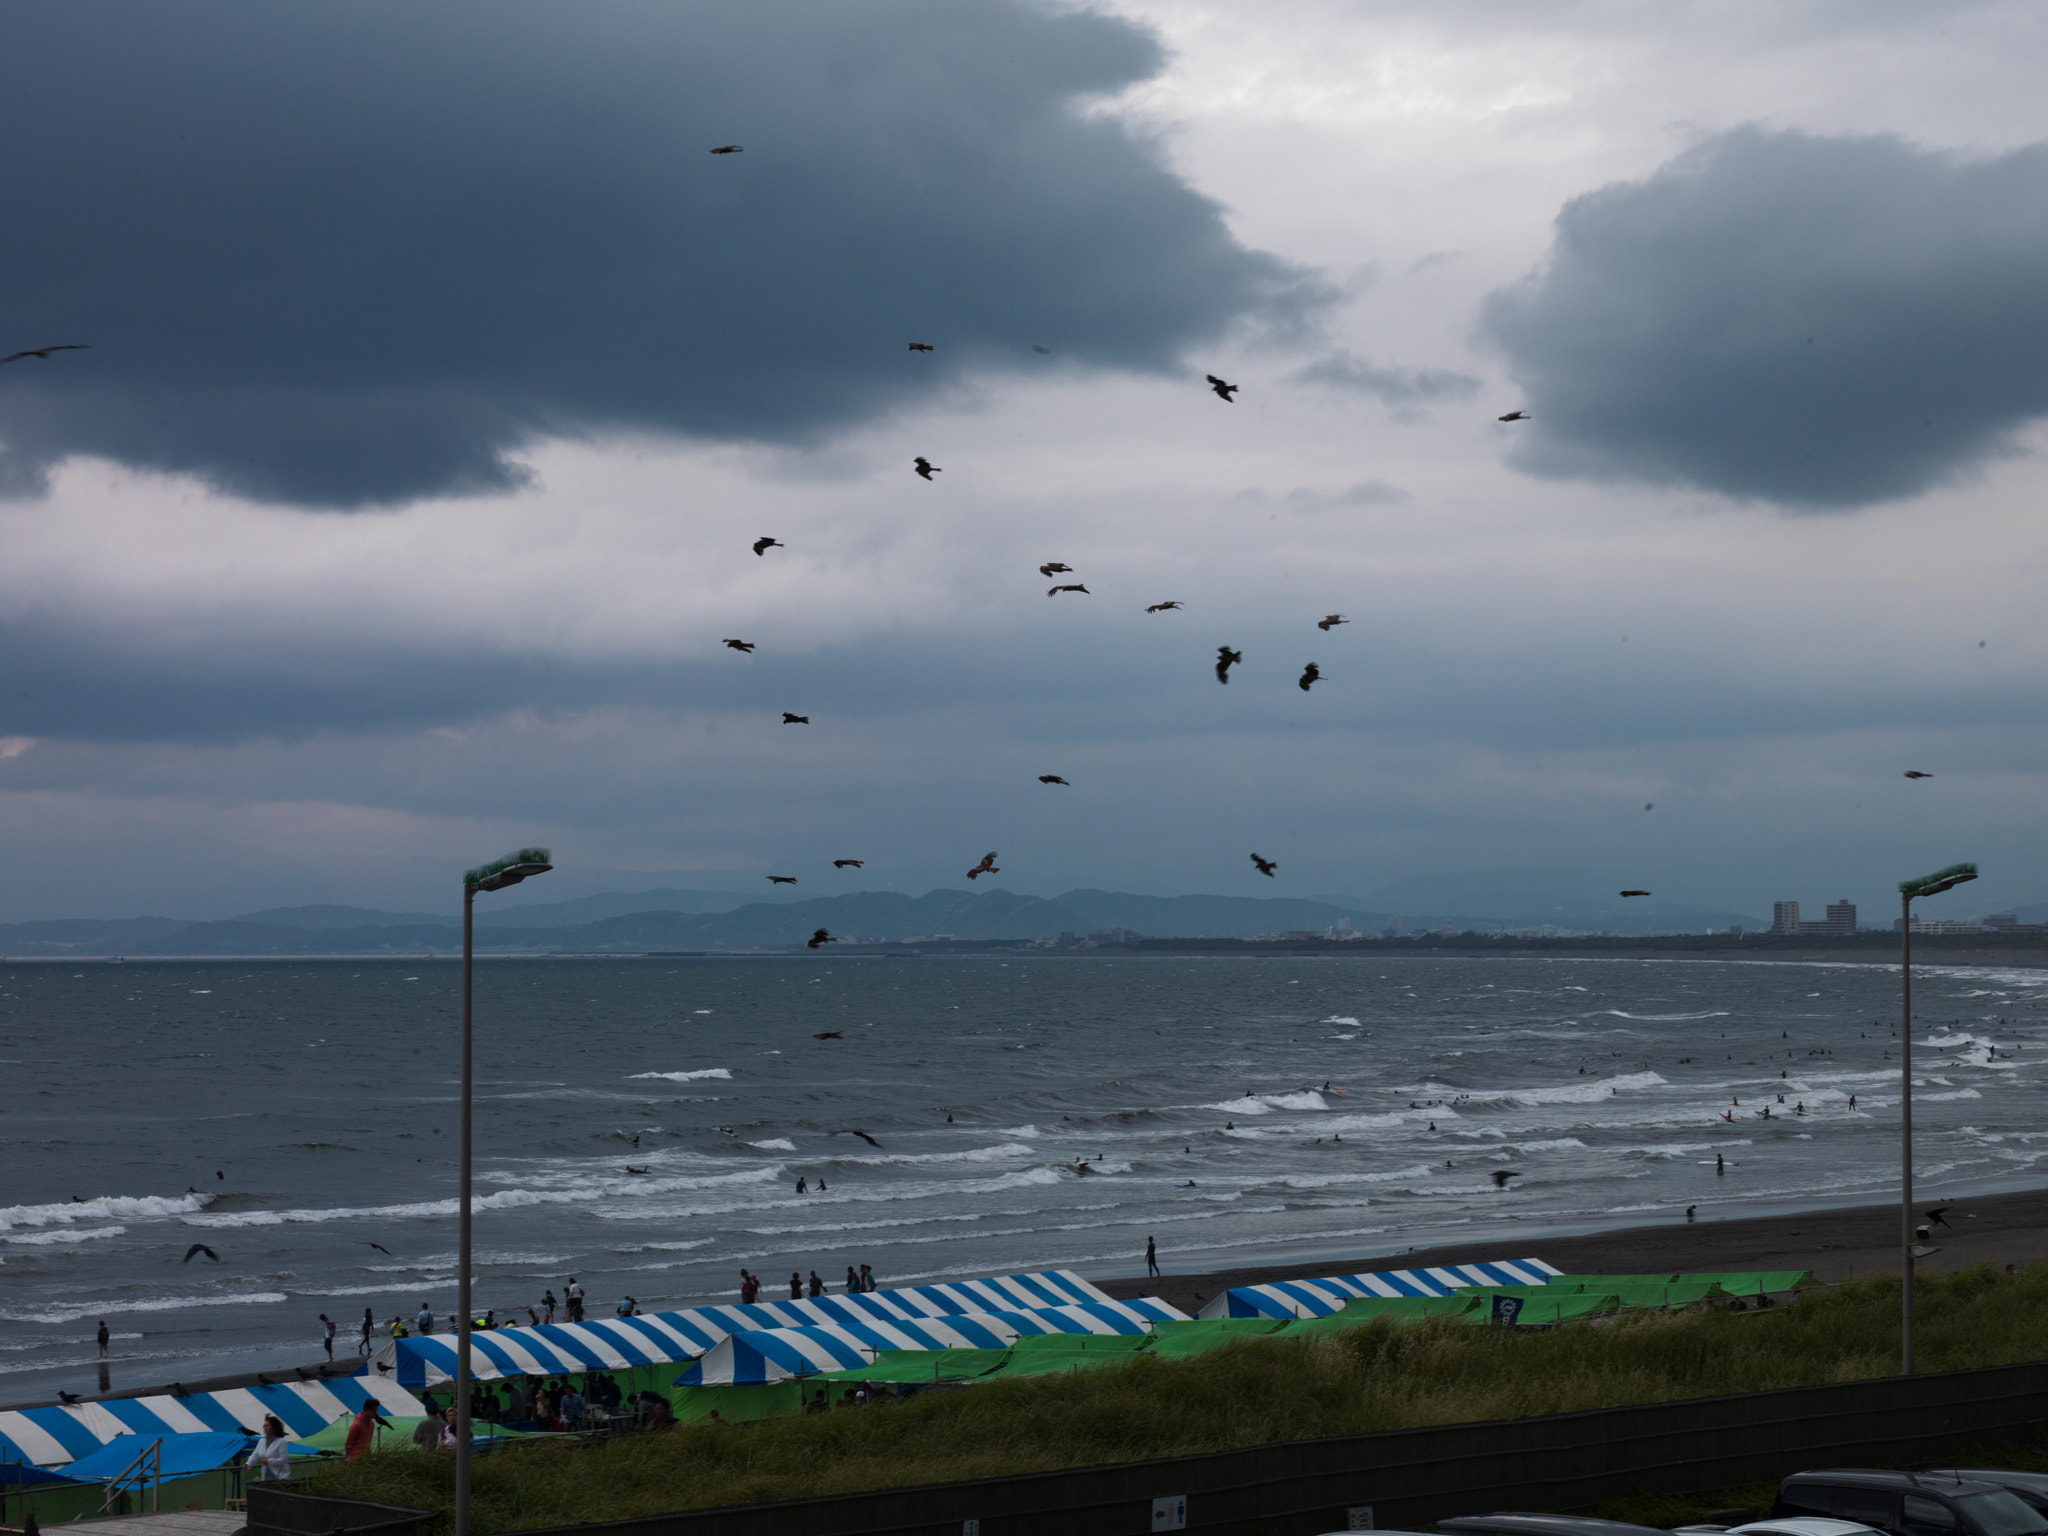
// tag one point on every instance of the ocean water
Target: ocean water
(294, 1115)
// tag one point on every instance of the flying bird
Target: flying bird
(828, 1034)
(1649, 805)
(1161, 607)
(1310, 674)
(1514, 416)
(740, 645)
(820, 937)
(864, 1136)
(383, 1250)
(1041, 351)
(919, 346)
(1935, 1216)
(782, 879)
(728, 149)
(1635, 893)
(762, 546)
(789, 719)
(199, 1248)
(1915, 773)
(987, 866)
(848, 863)
(1226, 658)
(1076, 587)
(925, 467)
(1052, 778)
(1502, 1175)
(1053, 568)
(44, 352)
(1266, 866)
(1330, 621)
(1221, 390)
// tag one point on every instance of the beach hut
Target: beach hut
(1324, 1296)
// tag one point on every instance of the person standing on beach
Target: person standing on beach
(852, 1280)
(1151, 1258)
(425, 1321)
(817, 1284)
(572, 1298)
(749, 1287)
(369, 1322)
(547, 1304)
(104, 1336)
(327, 1334)
(796, 1286)
(867, 1278)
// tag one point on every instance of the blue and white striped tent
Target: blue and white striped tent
(1321, 1297)
(664, 1337)
(775, 1354)
(55, 1437)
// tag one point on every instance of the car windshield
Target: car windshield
(2000, 1514)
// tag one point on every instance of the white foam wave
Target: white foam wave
(61, 1314)
(1266, 1103)
(775, 1144)
(44, 1239)
(685, 1077)
(1939, 1098)
(1342, 1018)
(1666, 1018)
(500, 1200)
(104, 1208)
(1588, 1092)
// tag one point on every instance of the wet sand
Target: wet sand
(1835, 1244)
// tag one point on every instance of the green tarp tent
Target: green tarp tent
(737, 1404)
(1400, 1309)
(922, 1367)
(1644, 1290)
(394, 1433)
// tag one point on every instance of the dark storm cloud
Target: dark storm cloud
(1822, 322)
(353, 254)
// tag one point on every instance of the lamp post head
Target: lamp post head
(1941, 880)
(510, 870)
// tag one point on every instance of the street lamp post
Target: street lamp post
(1927, 885)
(494, 876)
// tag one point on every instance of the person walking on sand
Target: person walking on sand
(867, 1278)
(547, 1306)
(852, 1280)
(104, 1337)
(369, 1324)
(749, 1287)
(796, 1285)
(817, 1283)
(327, 1334)
(572, 1298)
(1151, 1258)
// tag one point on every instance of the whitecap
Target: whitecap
(72, 1235)
(1666, 1018)
(103, 1208)
(775, 1144)
(1341, 1018)
(150, 1304)
(685, 1077)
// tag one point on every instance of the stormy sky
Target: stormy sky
(440, 381)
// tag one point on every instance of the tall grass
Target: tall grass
(1252, 1391)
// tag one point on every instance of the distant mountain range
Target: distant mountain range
(633, 923)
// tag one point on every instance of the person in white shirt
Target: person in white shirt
(572, 1297)
(273, 1452)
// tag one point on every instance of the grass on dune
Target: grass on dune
(1250, 1392)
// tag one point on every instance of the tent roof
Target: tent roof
(774, 1354)
(182, 1455)
(1321, 1297)
(54, 1437)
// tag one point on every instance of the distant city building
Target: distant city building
(1841, 918)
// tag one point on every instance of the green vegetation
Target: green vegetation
(1252, 1390)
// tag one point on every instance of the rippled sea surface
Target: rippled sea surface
(641, 1124)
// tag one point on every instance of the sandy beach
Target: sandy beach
(1836, 1245)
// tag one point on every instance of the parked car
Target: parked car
(1541, 1525)
(1790, 1525)
(2031, 1486)
(1910, 1504)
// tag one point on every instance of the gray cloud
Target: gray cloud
(352, 255)
(1822, 322)
(1396, 386)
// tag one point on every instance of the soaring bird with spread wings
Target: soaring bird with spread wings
(44, 352)
(1635, 893)
(820, 937)
(1226, 658)
(789, 719)
(1075, 587)
(920, 346)
(1266, 866)
(1330, 621)
(925, 467)
(1052, 778)
(1162, 607)
(1915, 773)
(1221, 390)
(1054, 568)
(782, 879)
(1513, 416)
(728, 149)
(1310, 674)
(762, 546)
(848, 863)
(863, 1135)
(987, 866)
(740, 645)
